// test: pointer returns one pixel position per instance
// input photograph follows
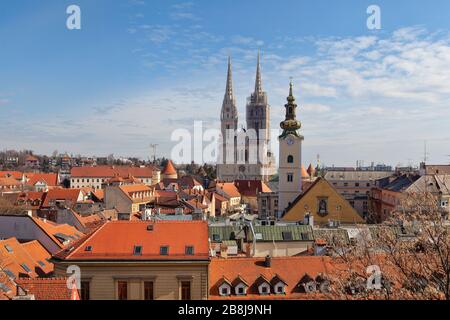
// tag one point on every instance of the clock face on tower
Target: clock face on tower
(290, 141)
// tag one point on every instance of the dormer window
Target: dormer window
(264, 288)
(137, 251)
(225, 287)
(240, 289)
(225, 290)
(240, 286)
(263, 285)
(164, 250)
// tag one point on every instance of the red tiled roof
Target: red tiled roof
(251, 188)
(61, 194)
(24, 256)
(111, 171)
(52, 229)
(9, 182)
(15, 174)
(305, 174)
(290, 269)
(169, 169)
(46, 288)
(229, 188)
(115, 240)
(51, 179)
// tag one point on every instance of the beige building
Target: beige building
(96, 177)
(128, 199)
(355, 186)
(126, 260)
(322, 204)
(268, 206)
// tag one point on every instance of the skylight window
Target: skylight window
(9, 273)
(189, 250)
(4, 288)
(164, 251)
(8, 248)
(88, 249)
(42, 264)
(25, 267)
(137, 250)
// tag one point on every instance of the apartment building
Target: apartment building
(355, 186)
(141, 260)
(96, 177)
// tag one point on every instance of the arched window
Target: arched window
(290, 159)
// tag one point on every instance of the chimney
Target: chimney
(268, 261)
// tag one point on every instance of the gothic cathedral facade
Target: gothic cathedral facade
(245, 153)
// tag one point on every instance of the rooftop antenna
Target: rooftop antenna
(425, 153)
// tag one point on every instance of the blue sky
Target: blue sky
(138, 69)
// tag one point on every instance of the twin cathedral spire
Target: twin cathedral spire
(257, 122)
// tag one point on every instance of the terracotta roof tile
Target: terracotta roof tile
(169, 169)
(289, 270)
(46, 288)
(51, 179)
(115, 240)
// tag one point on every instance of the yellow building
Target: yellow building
(322, 202)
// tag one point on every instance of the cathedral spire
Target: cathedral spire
(229, 88)
(258, 82)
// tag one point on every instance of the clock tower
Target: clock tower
(290, 161)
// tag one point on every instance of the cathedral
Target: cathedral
(244, 153)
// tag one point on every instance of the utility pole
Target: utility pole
(153, 147)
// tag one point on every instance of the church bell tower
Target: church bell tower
(290, 161)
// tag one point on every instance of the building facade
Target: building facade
(290, 161)
(126, 260)
(245, 154)
(96, 177)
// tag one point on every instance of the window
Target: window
(279, 289)
(241, 290)
(85, 293)
(42, 264)
(9, 273)
(264, 290)
(357, 184)
(88, 249)
(290, 159)
(290, 177)
(122, 290)
(164, 251)
(345, 184)
(25, 267)
(8, 248)
(185, 290)
(137, 251)
(287, 235)
(189, 250)
(148, 290)
(225, 291)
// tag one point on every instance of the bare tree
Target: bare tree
(406, 257)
